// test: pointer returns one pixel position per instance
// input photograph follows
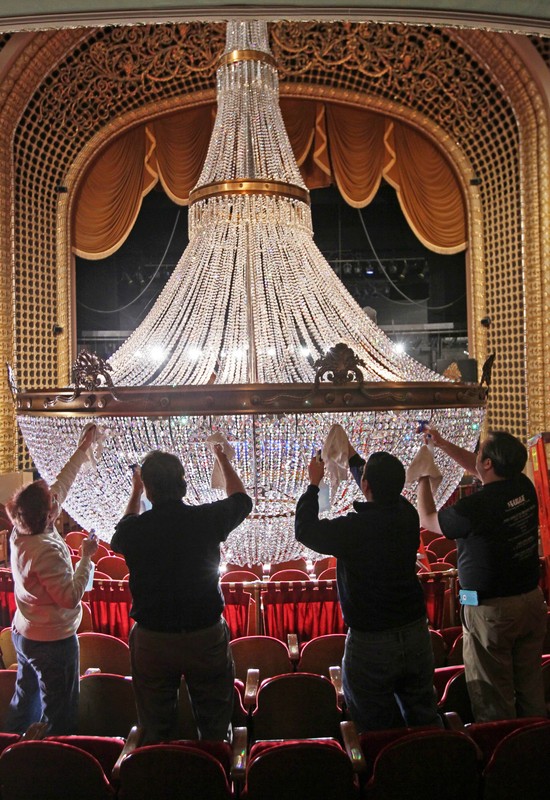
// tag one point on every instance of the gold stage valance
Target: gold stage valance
(333, 144)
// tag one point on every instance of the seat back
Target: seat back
(294, 563)
(107, 705)
(289, 575)
(519, 766)
(296, 706)
(456, 698)
(106, 652)
(114, 566)
(328, 574)
(455, 655)
(488, 735)
(428, 536)
(451, 557)
(7, 688)
(106, 749)
(440, 566)
(441, 546)
(86, 623)
(442, 676)
(439, 648)
(75, 538)
(100, 553)
(322, 564)
(265, 653)
(170, 771)
(47, 770)
(321, 653)
(314, 769)
(9, 656)
(239, 576)
(428, 764)
(256, 569)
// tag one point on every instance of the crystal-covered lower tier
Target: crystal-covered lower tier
(272, 454)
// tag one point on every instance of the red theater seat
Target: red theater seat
(310, 769)
(107, 705)
(265, 653)
(290, 575)
(114, 566)
(48, 770)
(299, 705)
(239, 576)
(173, 771)
(519, 766)
(321, 653)
(105, 652)
(427, 764)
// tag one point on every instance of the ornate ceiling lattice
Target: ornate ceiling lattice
(542, 45)
(408, 65)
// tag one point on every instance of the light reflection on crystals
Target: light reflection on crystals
(252, 300)
(283, 450)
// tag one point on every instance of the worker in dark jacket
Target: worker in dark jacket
(388, 659)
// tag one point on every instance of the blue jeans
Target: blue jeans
(388, 677)
(47, 685)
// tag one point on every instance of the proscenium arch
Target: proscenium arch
(41, 239)
(79, 172)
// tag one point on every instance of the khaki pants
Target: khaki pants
(503, 640)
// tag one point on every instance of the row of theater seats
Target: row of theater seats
(260, 657)
(487, 761)
(270, 655)
(437, 552)
(292, 706)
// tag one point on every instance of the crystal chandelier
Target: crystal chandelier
(245, 339)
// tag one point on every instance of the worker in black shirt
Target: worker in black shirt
(388, 659)
(503, 609)
(173, 554)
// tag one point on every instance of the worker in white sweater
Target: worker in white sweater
(48, 594)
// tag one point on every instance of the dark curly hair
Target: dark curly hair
(29, 508)
(507, 453)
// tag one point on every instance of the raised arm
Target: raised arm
(465, 458)
(134, 502)
(426, 506)
(233, 484)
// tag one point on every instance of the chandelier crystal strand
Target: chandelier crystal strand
(252, 301)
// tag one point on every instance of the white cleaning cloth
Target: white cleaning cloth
(217, 480)
(335, 454)
(93, 453)
(423, 465)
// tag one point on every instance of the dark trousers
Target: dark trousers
(388, 677)
(203, 657)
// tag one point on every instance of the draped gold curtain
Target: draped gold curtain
(333, 143)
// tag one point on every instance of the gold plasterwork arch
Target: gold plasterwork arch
(69, 92)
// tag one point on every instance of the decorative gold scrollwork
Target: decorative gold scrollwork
(339, 365)
(89, 373)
